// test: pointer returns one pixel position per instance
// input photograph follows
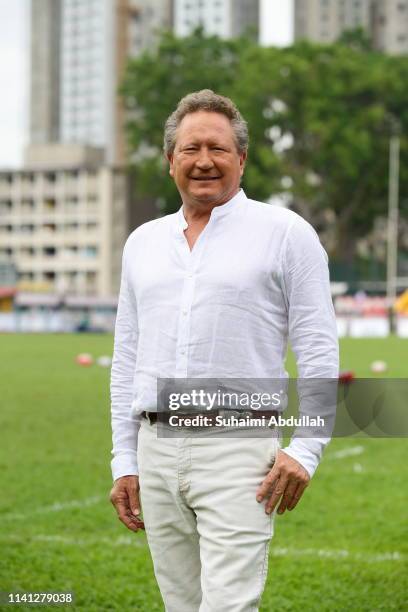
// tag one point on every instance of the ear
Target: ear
(242, 160)
(170, 157)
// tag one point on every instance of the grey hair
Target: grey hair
(206, 100)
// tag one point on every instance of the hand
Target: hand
(125, 498)
(287, 479)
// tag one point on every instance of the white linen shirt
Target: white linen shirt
(256, 277)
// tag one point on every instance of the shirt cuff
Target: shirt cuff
(124, 465)
(307, 452)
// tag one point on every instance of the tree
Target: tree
(332, 103)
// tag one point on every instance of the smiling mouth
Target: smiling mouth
(205, 178)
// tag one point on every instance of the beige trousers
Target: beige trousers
(207, 534)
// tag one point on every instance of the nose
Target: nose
(204, 161)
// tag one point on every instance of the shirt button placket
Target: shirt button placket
(184, 324)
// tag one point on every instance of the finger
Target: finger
(134, 502)
(124, 513)
(137, 521)
(121, 505)
(277, 493)
(297, 495)
(267, 485)
(125, 516)
(287, 497)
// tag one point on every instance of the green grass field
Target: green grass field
(342, 548)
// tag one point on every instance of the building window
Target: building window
(27, 205)
(72, 201)
(50, 204)
(72, 226)
(27, 251)
(49, 276)
(49, 227)
(26, 276)
(71, 250)
(5, 206)
(90, 251)
(49, 251)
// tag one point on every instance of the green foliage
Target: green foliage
(357, 39)
(319, 119)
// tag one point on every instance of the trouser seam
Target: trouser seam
(264, 569)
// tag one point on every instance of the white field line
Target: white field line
(127, 540)
(352, 451)
(337, 554)
(57, 507)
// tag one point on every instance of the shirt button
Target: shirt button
(183, 352)
(184, 312)
(190, 275)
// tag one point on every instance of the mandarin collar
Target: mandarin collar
(233, 205)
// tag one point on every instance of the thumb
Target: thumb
(267, 483)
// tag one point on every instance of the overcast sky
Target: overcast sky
(276, 28)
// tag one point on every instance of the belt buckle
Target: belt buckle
(148, 417)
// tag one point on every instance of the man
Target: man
(213, 291)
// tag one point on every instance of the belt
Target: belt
(210, 416)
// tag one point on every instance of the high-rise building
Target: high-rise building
(45, 71)
(225, 18)
(385, 21)
(79, 50)
(390, 26)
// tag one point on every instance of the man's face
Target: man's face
(206, 165)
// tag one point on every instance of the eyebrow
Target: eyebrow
(195, 143)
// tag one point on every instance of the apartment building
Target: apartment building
(385, 21)
(390, 26)
(224, 18)
(63, 224)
